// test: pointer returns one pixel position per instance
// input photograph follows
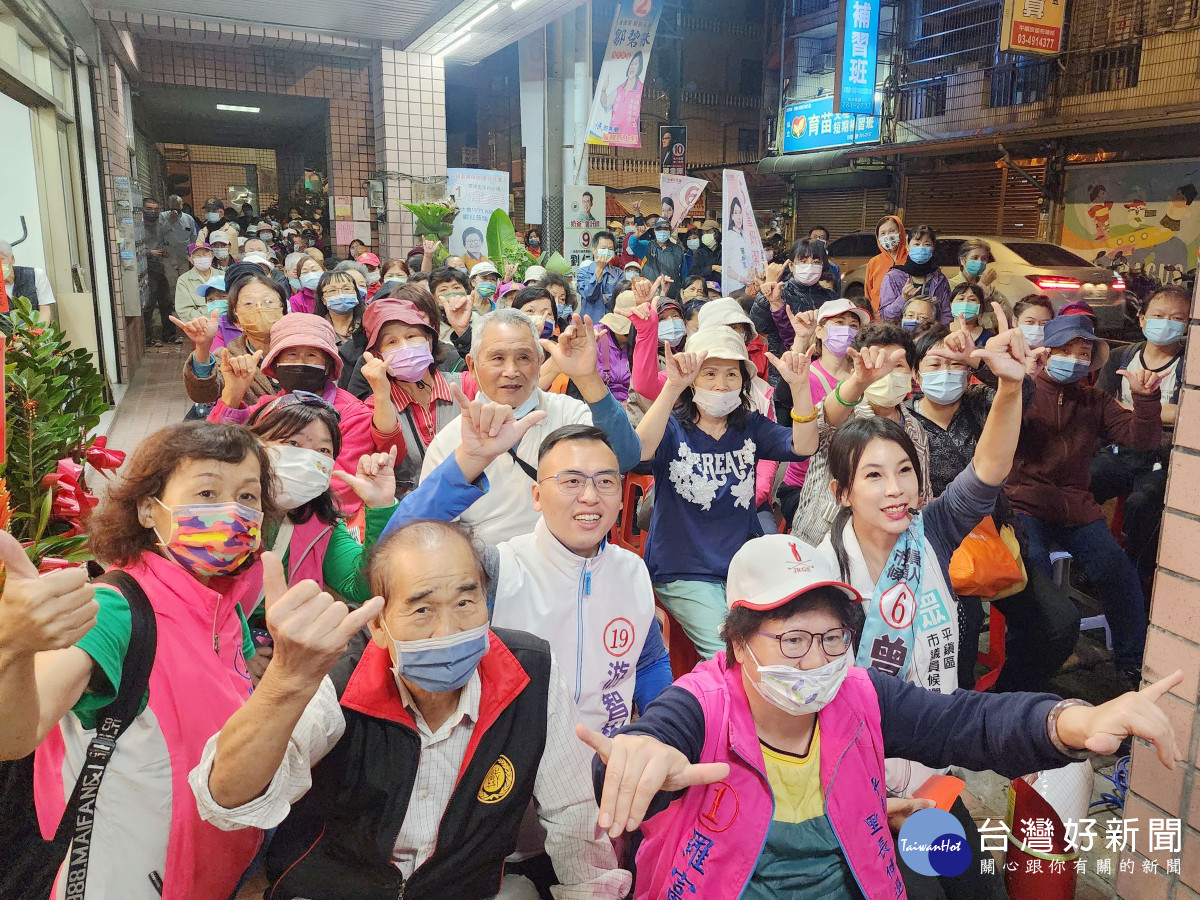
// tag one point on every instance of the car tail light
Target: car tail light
(1118, 283)
(1055, 283)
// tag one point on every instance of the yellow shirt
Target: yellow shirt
(796, 781)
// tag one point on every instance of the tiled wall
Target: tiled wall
(1174, 643)
(343, 80)
(214, 169)
(409, 94)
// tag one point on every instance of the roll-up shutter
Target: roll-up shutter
(842, 212)
(985, 200)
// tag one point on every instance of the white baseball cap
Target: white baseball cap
(725, 311)
(535, 273)
(484, 268)
(832, 308)
(218, 237)
(769, 571)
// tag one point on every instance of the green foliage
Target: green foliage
(503, 247)
(53, 400)
(434, 220)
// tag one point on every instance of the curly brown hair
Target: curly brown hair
(116, 535)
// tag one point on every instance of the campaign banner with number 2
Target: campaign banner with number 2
(615, 117)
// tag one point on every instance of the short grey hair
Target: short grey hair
(505, 315)
(292, 261)
(6, 250)
(347, 264)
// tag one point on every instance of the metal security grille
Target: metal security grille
(983, 200)
(842, 212)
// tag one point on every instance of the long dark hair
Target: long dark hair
(282, 424)
(845, 453)
(689, 414)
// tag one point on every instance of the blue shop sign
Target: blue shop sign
(813, 125)
(859, 56)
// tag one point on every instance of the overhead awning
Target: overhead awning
(798, 163)
(825, 170)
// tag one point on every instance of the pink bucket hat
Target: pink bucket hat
(387, 310)
(303, 330)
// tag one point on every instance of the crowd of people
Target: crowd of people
(369, 627)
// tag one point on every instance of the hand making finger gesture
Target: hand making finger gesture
(42, 612)
(1102, 728)
(773, 291)
(376, 371)
(638, 768)
(458, 311)
(201, 331)
(792, 368)
(682, 368)
(1143, 381)
(805, 326)
(309, 628)
(488, 430)
(237, 374)
(375, 481)
(575, 352)
(873, 363)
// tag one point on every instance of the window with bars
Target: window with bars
(1019, 80)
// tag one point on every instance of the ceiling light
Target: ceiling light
(517, 4)
(454, 45)
(483, 15)
(246, 109)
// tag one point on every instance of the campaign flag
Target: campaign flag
(478, 193)
(615, 117)
(679, 194)
(742, 251)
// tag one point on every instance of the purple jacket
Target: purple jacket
(613, 365)
(227, 333)
(706, 716)
(303, 301)
(891, 298)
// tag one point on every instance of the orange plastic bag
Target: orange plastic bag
(983, 565)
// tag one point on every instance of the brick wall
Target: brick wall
(1174, 643)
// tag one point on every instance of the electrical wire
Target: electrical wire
(1120, 782)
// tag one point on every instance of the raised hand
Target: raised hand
(645, 290)
(1102, 728)
(458, 311)
(1142, 382)
(375, 481)
(773, 291)
(774, 272)
(682, 368)
(309, 628)
(873, 363)
(488, 430)
(510, 269)
(41, 612)
(805, 326)
(792, 367)
(237, 374)
(429, 247)
(575, 353)
(201, 331)
(376, 372)
(637, 204)
(638, 767)
(957, 348)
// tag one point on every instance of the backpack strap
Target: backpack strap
(75, 827)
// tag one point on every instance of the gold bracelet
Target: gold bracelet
(801, 420)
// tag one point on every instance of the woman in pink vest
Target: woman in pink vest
(183, 520)
(303, 439)
(760, 773)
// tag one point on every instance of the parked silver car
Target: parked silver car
(1022, 267)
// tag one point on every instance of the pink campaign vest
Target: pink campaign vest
(193, 691)
(712, 836)
(306, 559)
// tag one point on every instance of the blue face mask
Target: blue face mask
(973, 267)
(1164, 332)
(362, 293)
(485, 289)
(944, 386)
(393, 281)
(968, 309)
(295, 283)
(910, 324)
(310, 280)
(220, 307)
(920, 253)
(564, 311)
(440, 664)
(520, 412)
(341, 303)
(693, 243)
(1067, 369)
(661, 235)
(672, 331)
(547, 328)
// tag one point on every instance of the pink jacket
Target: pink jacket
(193, 691)
(356, 436)
(303, 301)
(735, 814)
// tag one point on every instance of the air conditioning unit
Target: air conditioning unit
(821, 64)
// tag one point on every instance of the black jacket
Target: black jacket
(337, 841)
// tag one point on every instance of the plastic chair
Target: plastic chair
(625, 532)
(1060, 560)
(993, 659)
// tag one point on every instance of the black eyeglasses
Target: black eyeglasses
(795, 644)
(572, 483)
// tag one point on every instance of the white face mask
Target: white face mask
(709, 240)
(717, 403)
(202, 263)
(889, 241)
(806, 273)
(800, 692)
(220, 253)
(300, 474)
(1035, 335)
(890, 390)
